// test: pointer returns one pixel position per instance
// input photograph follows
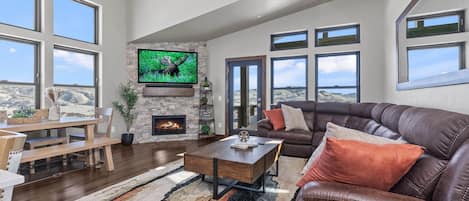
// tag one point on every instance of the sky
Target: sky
(71, 19)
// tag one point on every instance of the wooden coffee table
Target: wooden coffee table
(219, 160)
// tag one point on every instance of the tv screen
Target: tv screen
(161, 66)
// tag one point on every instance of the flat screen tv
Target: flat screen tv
(162, 66)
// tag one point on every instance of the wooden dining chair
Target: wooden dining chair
(103, 128)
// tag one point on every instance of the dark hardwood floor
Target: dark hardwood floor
(129, 161)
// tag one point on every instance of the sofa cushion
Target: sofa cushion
(362, 164)
(440, 132)
(294, 118)
(362, 124)
(340, 132)
(276, 118)
(300, 137)
(378, 110)
(362, 109)
(323, 119)
(391, 115)
(422, 178)
(383, 131)
(333, 108)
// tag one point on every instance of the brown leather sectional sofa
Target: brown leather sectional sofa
(441, 174)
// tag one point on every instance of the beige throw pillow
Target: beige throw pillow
(339, 132)
(294, 118)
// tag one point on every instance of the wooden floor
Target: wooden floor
(129, 161)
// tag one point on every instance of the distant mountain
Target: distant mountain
(281, 95)
(74, 101)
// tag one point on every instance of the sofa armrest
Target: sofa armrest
(266, 124)
(333, 191)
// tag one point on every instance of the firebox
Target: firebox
(169, 125)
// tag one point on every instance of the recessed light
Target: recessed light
(259, 16)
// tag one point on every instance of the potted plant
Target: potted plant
(205, 129)
(130, 96)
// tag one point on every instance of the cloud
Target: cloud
(336, 64)
(75, 59)
(12, 50)
(289, 73)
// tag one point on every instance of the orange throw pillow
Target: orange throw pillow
(362, 164)
(276, 118)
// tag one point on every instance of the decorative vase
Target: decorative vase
(127, 138)
(54, 112)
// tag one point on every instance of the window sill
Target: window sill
(453, 78)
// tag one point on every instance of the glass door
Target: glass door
(245, 95)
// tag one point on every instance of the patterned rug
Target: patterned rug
(172, 183)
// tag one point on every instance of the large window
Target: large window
(20, 13)
(338, 35)
(18, 77)
(337, 77)
(76, 20)
(428, 61)
(285, 41)
(289, 79)
(75, 77)
(437, 24)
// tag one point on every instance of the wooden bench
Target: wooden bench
(59, 150)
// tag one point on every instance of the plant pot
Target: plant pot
(127, 138)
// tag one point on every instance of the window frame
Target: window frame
(272, 36)
(316, 31)
(95, 73)
(460, 13)
(272, 60)
(37, 72)
(37, 18)
(358, 81)
(462, 53)
(96, 23)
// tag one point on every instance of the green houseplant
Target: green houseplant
(130, 96)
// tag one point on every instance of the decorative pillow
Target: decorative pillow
(362, 164)
(339, 132)
(294, 118)
(276, 118)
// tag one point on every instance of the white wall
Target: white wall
(256, 41)
(454, 98)
(112, 49)
(150, 16)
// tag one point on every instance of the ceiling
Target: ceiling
(234, 17)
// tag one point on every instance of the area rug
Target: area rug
(172, 183)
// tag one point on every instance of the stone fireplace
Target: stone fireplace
(168, 124)
(148, 107)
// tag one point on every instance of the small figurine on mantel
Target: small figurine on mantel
(52, 98)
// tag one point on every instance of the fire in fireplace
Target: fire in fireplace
(168, 125)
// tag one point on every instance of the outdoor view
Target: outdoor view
(289, 79)
(337, 78)
(245, 117)
(73, 72)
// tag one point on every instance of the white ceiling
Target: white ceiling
(234, 17)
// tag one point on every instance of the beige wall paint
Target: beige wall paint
(112, 50)
(452, 98)
(150, 16)
(256, 41)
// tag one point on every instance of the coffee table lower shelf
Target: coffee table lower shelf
(235, 184)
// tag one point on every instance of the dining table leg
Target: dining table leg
(93, 157)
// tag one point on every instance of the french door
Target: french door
(245, 83)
